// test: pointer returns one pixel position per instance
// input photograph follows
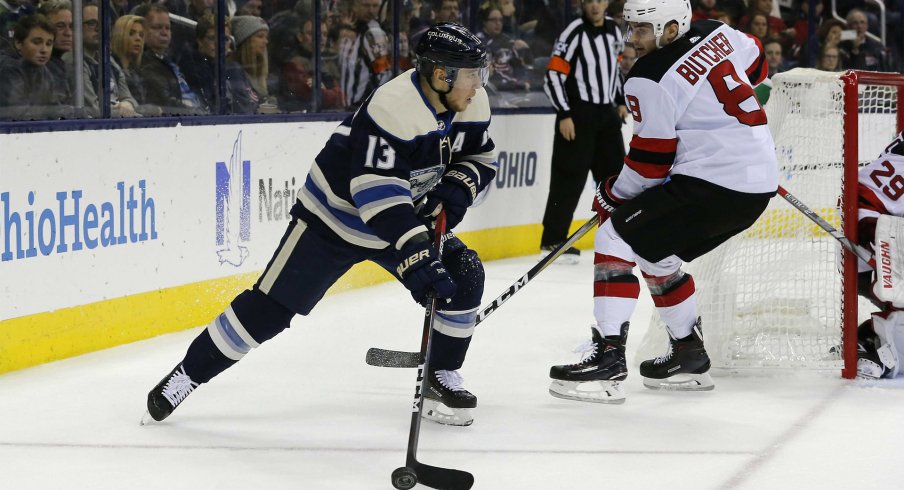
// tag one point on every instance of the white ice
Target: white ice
(305, 412)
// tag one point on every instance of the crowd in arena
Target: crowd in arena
(164, 56)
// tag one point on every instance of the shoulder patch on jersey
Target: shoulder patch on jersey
(478, 110)
(655, 65)
(400, 96)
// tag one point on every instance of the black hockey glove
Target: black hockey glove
(422, 273)
(454, 194)
(605, 202)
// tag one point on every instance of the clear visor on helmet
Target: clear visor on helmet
(471, 78)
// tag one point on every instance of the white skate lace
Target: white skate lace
(178, 387)
(451, 380)
(663, 358)
(586, 349)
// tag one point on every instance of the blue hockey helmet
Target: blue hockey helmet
(453, 47)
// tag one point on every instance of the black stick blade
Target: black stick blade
(392, 358)
(443, 478)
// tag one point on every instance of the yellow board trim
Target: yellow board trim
(49, 336)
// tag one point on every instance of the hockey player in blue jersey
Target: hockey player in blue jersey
(417, 146)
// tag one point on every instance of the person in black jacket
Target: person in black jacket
(26, 85)
(164, 84)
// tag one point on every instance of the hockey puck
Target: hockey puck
(404, 478)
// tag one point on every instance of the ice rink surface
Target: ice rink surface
(305, 412)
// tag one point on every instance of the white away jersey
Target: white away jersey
(695, 114)
(881, 183)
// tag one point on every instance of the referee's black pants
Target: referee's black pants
(598, 147)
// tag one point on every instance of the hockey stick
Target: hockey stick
(861, 253)
(401, 359)
(415, 472)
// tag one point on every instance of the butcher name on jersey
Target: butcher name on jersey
(710, 54)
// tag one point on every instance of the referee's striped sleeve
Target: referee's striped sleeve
(559, 68)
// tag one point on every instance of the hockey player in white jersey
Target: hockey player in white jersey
(700, 169)
(880, 340)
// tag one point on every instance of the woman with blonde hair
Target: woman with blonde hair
(127, 45)
(250, 68)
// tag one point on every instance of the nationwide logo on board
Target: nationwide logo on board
(233, 207)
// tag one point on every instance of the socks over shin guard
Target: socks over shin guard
(251, 319)
(204, 360)
(447, 352)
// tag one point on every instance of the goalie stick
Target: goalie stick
(415, 472)
(401, 359)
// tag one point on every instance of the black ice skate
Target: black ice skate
(446, 401)
(683, 368)
(873, 361)
(570, 256)
(168, 394)
(597, 378)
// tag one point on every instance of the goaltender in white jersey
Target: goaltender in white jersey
(701, 168)
(880, 340)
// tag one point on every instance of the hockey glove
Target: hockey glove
(422, 273)
(605, 202)
(454, 194)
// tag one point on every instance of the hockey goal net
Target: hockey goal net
(781, 296)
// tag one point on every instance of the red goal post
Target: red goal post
(775, 298)
(853, 81)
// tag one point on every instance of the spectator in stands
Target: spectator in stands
(127, 46)
(364, 59)
(724, 17)
(544, 20)
(122, 103)
(26, 84)
(863, 53)
(828, 59)
(508, 72)
(197, 9)
(627, 59)
(118, 8)
(199, 64)
(764, 7)
(292, 54)
(248, 7)
(774, 56)
(510, 24)
(164, 84)
(446, 11)
(828, 34)
(248, 75)
(10, 13)
(704, 10)
(758, 26)
(59, 14)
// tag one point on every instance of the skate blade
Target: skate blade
(610, 392)
(681, 382)
(441, 414)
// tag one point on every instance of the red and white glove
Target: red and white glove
(605, 202)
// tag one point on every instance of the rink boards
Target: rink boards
(112, 236)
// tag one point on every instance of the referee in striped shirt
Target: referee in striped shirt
(585, 87)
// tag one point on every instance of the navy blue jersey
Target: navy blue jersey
(380, 160)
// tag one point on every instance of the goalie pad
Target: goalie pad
(889, 327)
(889, 249)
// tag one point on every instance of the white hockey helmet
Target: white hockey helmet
(659, 13)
